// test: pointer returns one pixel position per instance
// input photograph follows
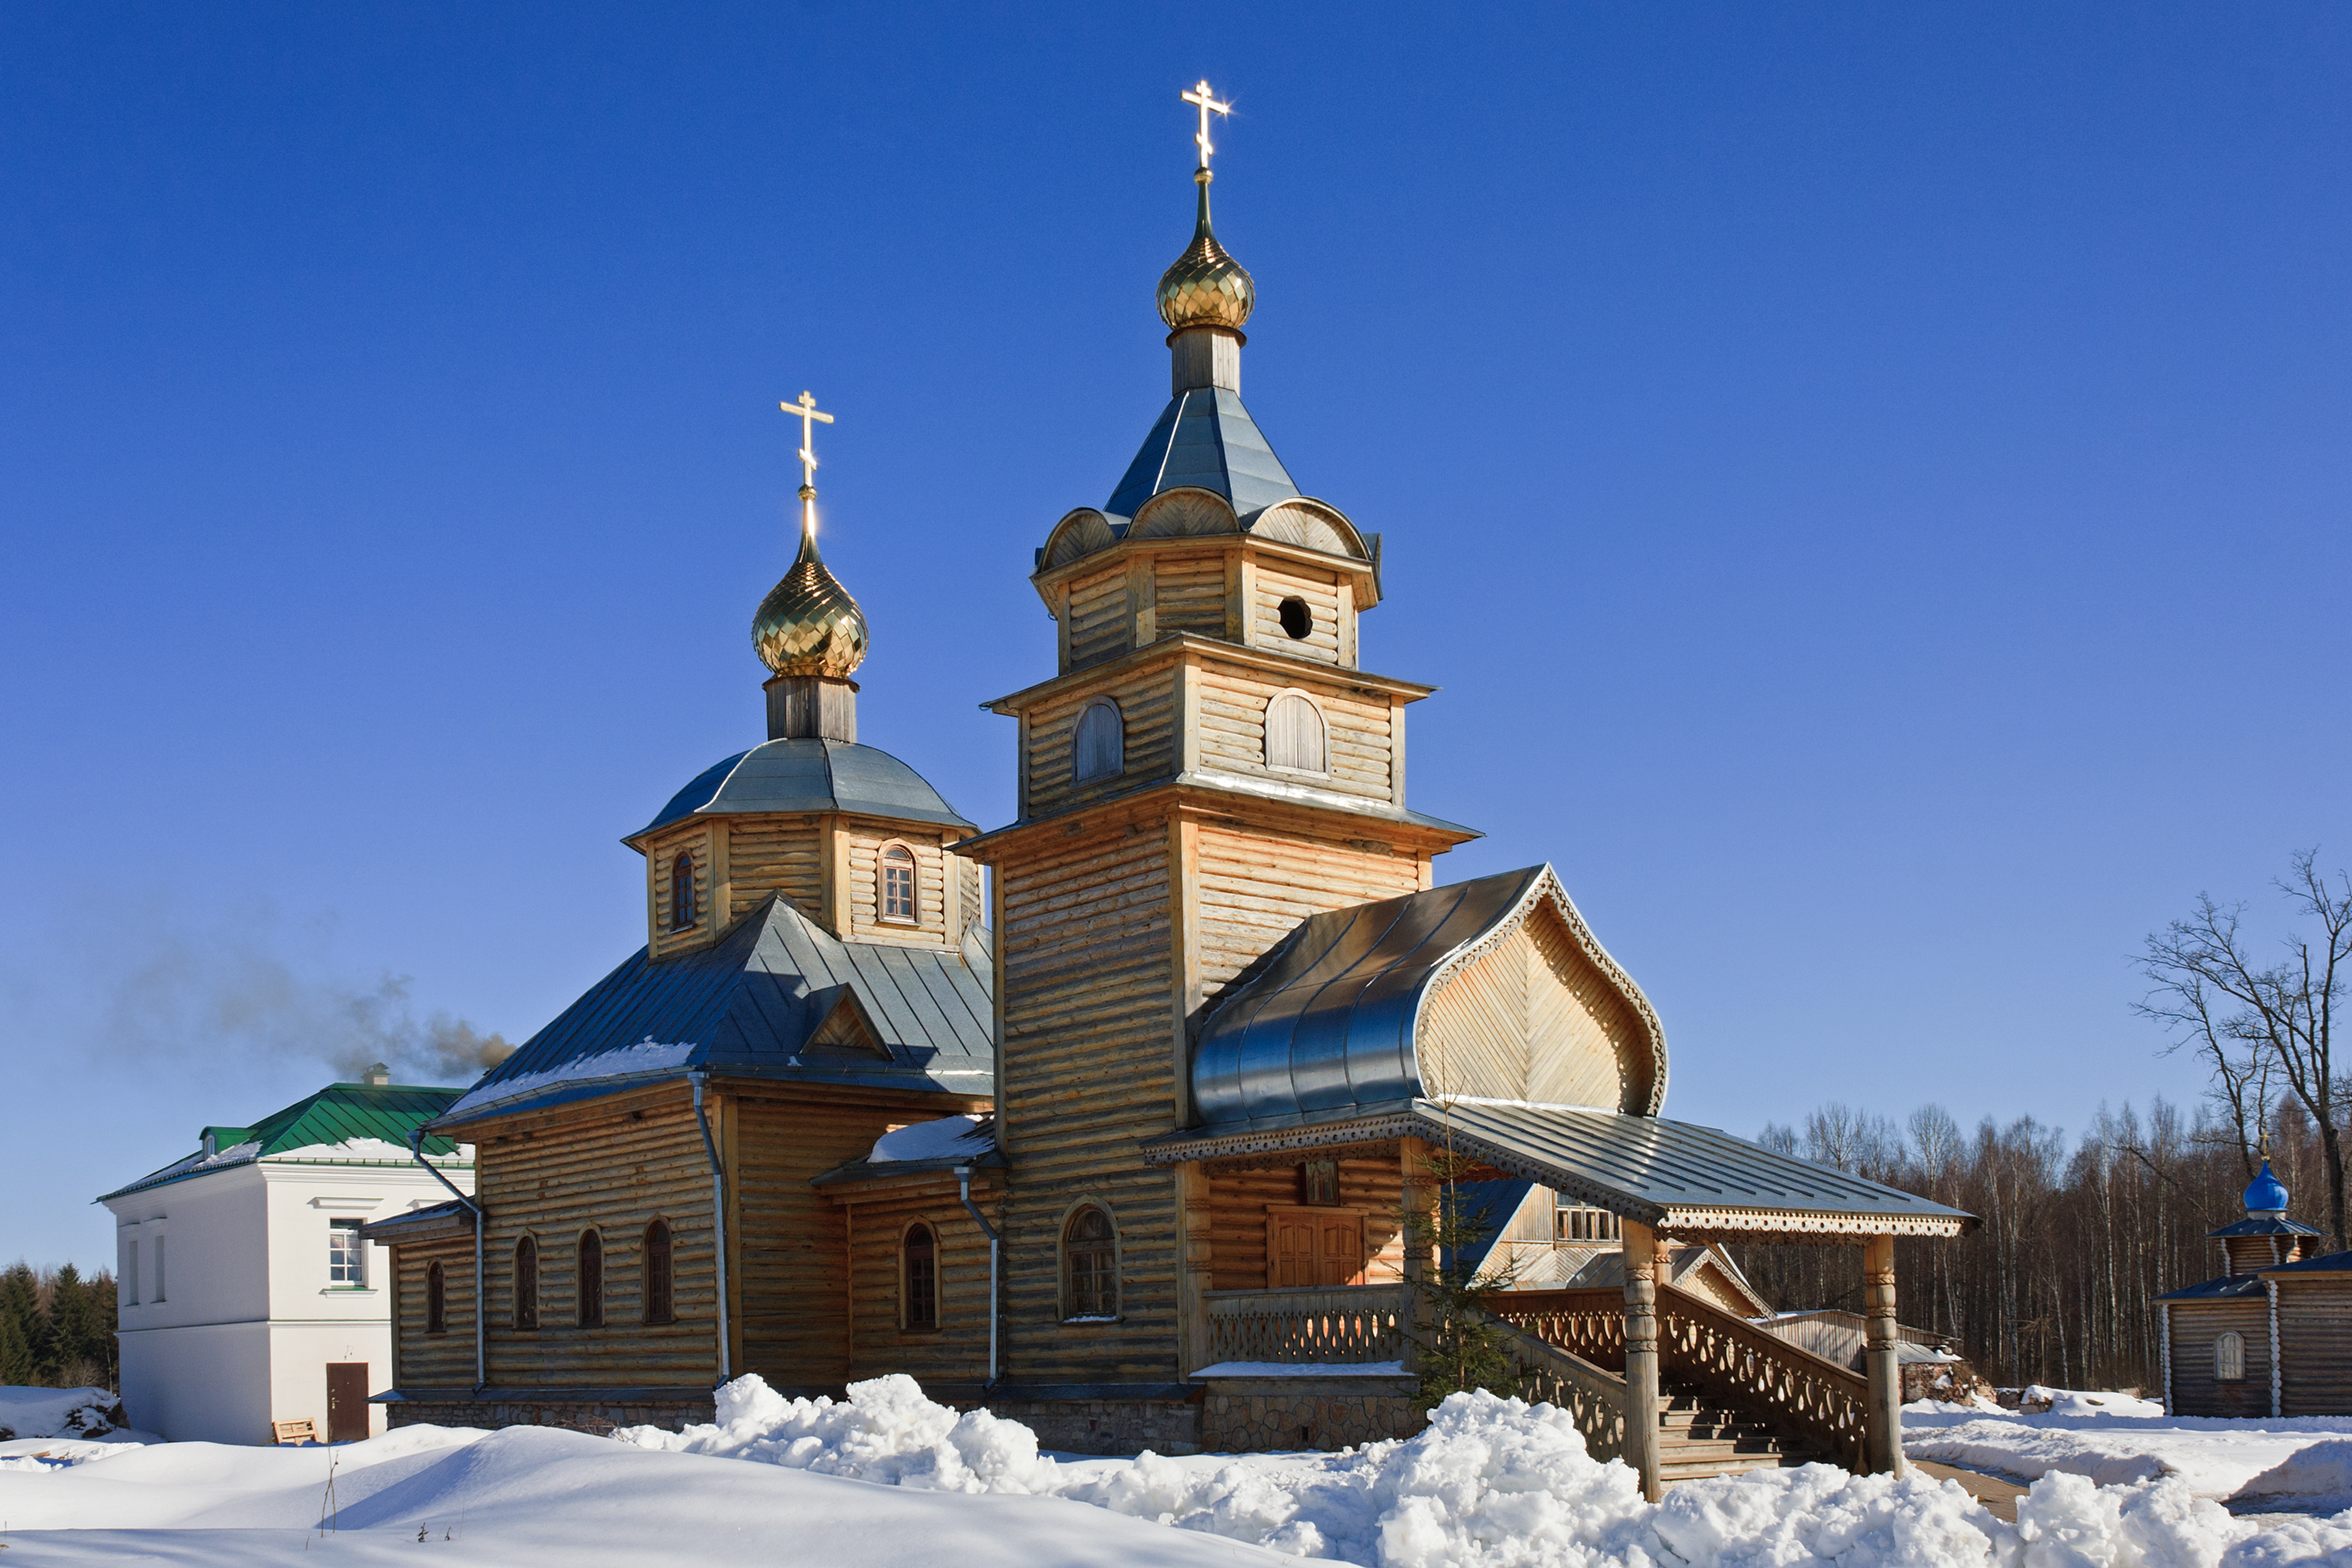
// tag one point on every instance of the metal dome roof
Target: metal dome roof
(2266, 1194)
(811, 775)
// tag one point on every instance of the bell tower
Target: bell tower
(1208, 766)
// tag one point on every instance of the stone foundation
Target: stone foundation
(515, 1407)
(1253, 1415)
(1110, 1425)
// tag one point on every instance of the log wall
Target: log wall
(2195, 1326)
(615, 1163)
(1233, 700)
(876, 1222)
(1320, 591)
(1084, 944)
(774, 854)
(1238, 1202)
(862, 842)
(2315, 1319)
(1252, 885)
(421, 1360)
(790, 1267)
(705, 842)
(1147, 709)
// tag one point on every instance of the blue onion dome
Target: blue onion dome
(1206, 287)
(808, 624)
(2266, 1194)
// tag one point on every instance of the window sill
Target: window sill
(348, 1291)
(1093, 1323)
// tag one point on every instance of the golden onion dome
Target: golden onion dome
(808, 624)
(1206, 287)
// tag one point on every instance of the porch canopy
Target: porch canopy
(1676, 1177)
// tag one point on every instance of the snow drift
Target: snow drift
(1497, 1483)
(58, 1412)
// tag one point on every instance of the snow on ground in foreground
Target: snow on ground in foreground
(2084, 1435)
(888, 1479)
(58, 1412)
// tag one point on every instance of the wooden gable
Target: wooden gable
(1537, 1017)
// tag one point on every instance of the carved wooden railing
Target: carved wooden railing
(1335, 1323)
(1699, 1342)
(1736, 1361)
(1594, 1399)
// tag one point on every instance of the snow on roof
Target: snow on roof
(647, 1055)
(944, 1138)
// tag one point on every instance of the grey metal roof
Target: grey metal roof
(1688, 1180)
(811, 775)
(1329, 1023)
(2326, 1263)
(2265, 1228)
(747, 1006)
(1652, 1169)
(1204, 437)
(2227, 1287)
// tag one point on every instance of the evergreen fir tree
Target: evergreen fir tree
(20, 1303)
(108, 1315)
(1462, 1346)
(73, 1326)
(16, 1369)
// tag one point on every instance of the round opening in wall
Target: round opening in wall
(1295, 620)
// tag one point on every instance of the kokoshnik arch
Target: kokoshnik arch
(1115, 1156)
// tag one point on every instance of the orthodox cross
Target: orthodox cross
(1209, 105)
(805, 412)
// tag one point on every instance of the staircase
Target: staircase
(1700, 1434)
(1732, 1398)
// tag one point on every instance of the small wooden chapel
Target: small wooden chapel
(2270, 1335)
(1128, 1153)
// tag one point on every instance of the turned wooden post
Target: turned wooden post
(1420, 1199)
(1642, 1356)
(1192, 1347)
(1882, 1448)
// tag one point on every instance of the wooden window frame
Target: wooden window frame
(588, 1296)
(882, 884)
(658, 1304)
(2222, 1360)
(525, 1316)
(684, 914)
(907, 1296)
(436, 1298)
(1119, 740)
(1266, 734)
(1070, 1317)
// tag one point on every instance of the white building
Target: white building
(248, 1294)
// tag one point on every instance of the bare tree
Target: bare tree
(2246, 1016)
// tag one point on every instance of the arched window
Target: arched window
(437, 1300)
(920, 1270)
(2229, 1358)
(1089, 1266)
(1295, 733)
(682, 912)
(659, 1293)
(1098, 747)
(894, 892)
(591, 1280)
(526, 1278)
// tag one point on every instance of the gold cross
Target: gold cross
(1209, 105)
(805, 411)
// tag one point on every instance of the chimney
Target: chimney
(377, 1076)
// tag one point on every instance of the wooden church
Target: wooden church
(1117, 1153)
(2271, 1335)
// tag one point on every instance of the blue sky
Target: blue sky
(1869, 480)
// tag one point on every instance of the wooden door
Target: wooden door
(1313, 1247)
(347, 1401)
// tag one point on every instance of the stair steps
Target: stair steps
(1700, 1435)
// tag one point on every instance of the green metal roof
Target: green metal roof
(336, 1115)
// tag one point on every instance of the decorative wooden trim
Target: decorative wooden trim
(881, 853)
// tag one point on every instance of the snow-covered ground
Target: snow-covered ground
(2114, 1440)
(62, 1413)
(889, 1480)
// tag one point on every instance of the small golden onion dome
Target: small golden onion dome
(808, 624)
(1206, 287)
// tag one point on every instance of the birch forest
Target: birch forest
(2077, 1235)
